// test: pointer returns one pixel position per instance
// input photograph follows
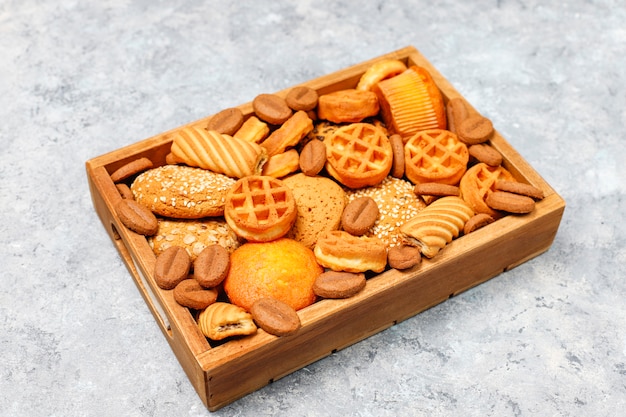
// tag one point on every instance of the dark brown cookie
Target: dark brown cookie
(359, 216)
(403, 256)
(302, 98)
(130, 169)
(189, 293)
(476, 222)
(211, 266)
(510, 202)
(475, 129)
(227, 122)
(271, 108)
(335, 284)
(275, 317)
(312, 158)
(136, 217)
(397, 148)
(171, 267)
(519, 188)
(436, 189)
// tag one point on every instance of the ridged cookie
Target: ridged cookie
(436, 225)
(182, 192)
(216, 152)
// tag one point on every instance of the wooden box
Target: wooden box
(223, 373)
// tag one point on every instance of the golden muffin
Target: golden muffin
(283, 269)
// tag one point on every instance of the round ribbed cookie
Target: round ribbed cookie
(397, 203)
(193, 235)
(182, 192)
(319, 204)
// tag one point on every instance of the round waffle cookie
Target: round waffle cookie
(397, 203)
(478, 182)
(435, 155)
(358, 154)
(260, 208)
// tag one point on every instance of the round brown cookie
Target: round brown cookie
(510, 202)
(485, 153)
(436, 189)
(359, 215)
(182, 192)
(475, 129)
(339, 284)
(275, 317)
(302, 98)
(476, 222)
(130, 169)
(189, 293)
(319, 203)
(227, 122)
(519, 188)
(396, 202)
(193, 235)
(271, 108)
(403, 257)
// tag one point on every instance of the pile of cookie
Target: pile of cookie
(254, 217)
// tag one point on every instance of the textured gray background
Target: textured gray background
(79, 79)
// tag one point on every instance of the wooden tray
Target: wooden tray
(226, 372)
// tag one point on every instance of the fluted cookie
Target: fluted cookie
(221, 320)
(182, 192)
(437, 225)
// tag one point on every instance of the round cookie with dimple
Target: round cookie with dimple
(319, 203)
(182, 192)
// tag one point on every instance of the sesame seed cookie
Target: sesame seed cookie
(182, 192)
(397, 203)
(193, 235)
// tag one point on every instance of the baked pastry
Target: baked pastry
(260, 208)
(289, 134)
(410, 102)
(221, 320)
(320, 202)
(182, 192)
(347, 106)
(397, 203)
(478, 182)
(341, 251)
(216, 152)
(282, 269)
(193, 235)
(380, 71)
(253, 130)
(282, 164)
(358, 154)
(435, 156)
(435, 226)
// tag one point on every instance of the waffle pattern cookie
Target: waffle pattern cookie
(411, 102)
(341, 251)
(435, 156)
(260, 208)
(216, 152)
(358, 155)
(182, 192)
(221, 320)
(437, 225)
(478, 182)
